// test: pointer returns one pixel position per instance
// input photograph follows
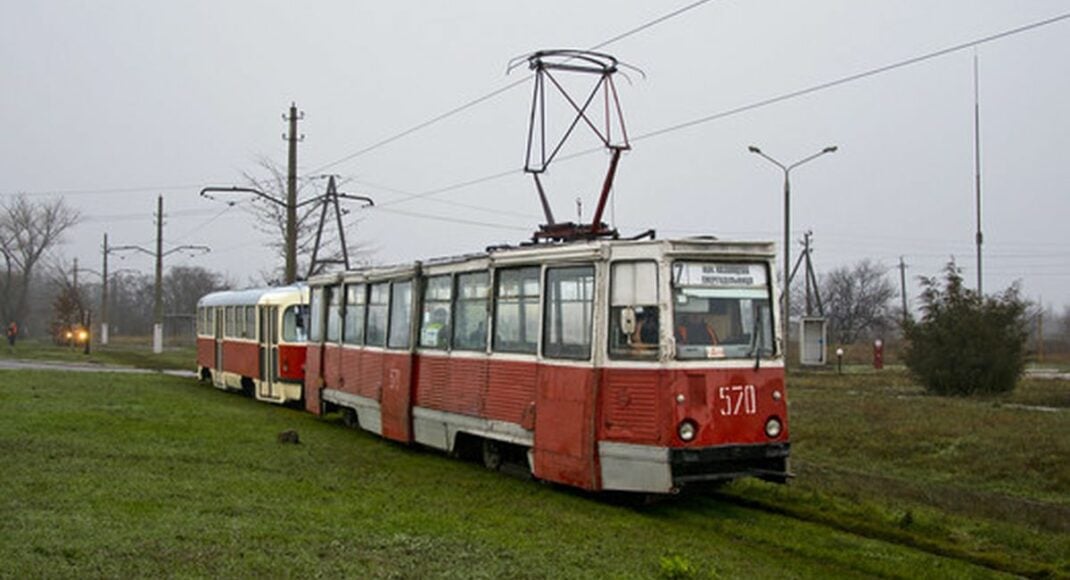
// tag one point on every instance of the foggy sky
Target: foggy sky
(112, 103)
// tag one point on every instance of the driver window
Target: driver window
(634, 320)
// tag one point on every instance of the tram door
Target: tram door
(218, 319)
(269, 351)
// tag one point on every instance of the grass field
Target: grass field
(146, 475)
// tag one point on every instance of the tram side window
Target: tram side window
(294, 319)
(250, 322)
(315, 330)
(470, 323)
(400, 314)
(228, 321)
(633, 319)
(239, 321)
(334, 313)
(516, 311)
(378, 299)
(353, 333)
(569, 312)
(435, 319)
(200, 321)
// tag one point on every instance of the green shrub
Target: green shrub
(965, 343)
(677, 567)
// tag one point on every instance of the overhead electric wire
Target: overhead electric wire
(498, 91)
(763, 103)
(854, 77)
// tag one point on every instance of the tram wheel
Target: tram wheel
(349, 418)
(492, 454)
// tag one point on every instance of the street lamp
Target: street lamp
(787, 232)
(157, 327)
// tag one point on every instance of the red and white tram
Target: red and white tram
(642, 366)
(254, 341)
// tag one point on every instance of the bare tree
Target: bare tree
(271, 219)
(29, 230)
(858, 301)
(183, 286)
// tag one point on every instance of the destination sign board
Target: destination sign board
(719, 275)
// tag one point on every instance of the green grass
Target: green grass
(120, 475)
(123, 352)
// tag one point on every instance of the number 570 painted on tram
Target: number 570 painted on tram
(644, 366)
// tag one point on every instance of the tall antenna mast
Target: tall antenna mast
(977, 168)
(548, 65)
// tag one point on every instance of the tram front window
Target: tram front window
(293, 324)
(721, 310)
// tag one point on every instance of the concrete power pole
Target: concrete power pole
(104, 296)
(157, 311)
(291, 195)
(903, 286)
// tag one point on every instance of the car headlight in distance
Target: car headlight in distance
(773, 427)
(687, 430)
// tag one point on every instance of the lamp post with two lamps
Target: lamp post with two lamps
(787, 232)
(159, 254)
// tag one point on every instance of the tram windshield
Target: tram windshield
(294, 319)
(721, 310)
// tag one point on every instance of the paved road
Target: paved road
(10, 364)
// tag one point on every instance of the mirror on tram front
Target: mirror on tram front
(627, 321)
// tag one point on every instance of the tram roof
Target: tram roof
(590, 249)
(251, 296)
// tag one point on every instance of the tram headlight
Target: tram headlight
(773, 427)
(82, 335)
(687, 430)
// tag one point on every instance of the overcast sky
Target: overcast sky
(113, 103)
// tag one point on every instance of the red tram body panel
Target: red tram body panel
(605, 365)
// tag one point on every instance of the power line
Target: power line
(466, 222)
(101, 191)
(498, 91)
(468, 206)
(766, 102)
(854, 77)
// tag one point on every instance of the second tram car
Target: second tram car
(254, 341)
(644, 366)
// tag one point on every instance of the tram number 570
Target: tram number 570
(737, 400)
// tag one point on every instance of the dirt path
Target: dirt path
(9, 364)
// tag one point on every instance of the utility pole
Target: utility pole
(1040, 331)
(104, 296)
(806, 252)
(157, 310)
(159, 254)
(903, 286)
(977, 167)
(291, 194)
(76, 277)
